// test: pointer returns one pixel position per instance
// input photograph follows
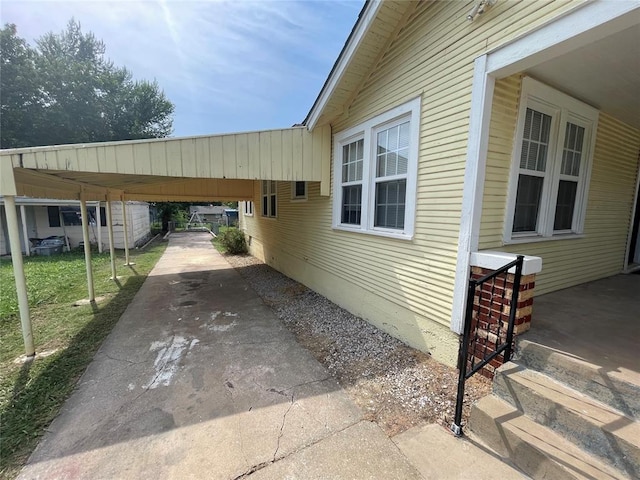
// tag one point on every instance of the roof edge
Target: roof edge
(365, 18)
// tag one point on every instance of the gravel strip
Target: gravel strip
(397, 386)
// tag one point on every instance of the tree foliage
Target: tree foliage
(64, 90)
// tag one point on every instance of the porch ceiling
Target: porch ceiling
(605, 74)
(219, 167)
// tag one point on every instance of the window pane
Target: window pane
(390, 204)
(54, 216)
(525, 218)
(393, 139)
(381, 171)
(403, 160)
(272, 213)
(352, 161)
(265, 206)
(351, 204)
(565, 205)
(403, 141)
(572, 153)
(71, 215)
(392, 164)
(535, 140)
(301, 190)
(393, 151)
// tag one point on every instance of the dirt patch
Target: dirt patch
(396, 386)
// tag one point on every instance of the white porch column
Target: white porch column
(112, 251)
(25, 231)
(99, 227)
(126, 233)
(18, 273)
(87, 249)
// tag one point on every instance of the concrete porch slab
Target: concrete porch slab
(439, 455)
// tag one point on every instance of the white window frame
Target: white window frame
(563, 109)
(299, 198)
(248, 208)
(271, 190)
(367, 130)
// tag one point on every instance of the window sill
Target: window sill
(540, 238)
(264, 217)
(301, 199)
(375, 233)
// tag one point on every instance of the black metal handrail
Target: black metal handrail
(467, 340)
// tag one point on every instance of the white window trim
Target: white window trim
(563, 108)
(268, 194)
(301, 198)
(244, 208)
(410, 111)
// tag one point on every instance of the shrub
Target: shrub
(233, 240)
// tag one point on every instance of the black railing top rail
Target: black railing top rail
(503, 348)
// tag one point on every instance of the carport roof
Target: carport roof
(215, 167)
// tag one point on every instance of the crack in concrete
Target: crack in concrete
(287, 389)
(284, 421)
(253, 469)
(125, 360)
(262, 465)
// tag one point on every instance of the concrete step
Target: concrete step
(606, 385)
(535, 449)
(592, 425)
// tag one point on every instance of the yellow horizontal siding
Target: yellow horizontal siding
(432, 58)
(600, 253)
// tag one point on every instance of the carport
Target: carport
(204, 168)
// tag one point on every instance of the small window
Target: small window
(551, 165)
(248, 209)
(269, 199)
(375, 167)
(54, 216)
(72, 216)
(298, 190)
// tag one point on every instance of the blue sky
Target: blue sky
(227, 66)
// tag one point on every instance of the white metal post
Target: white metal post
(87, 249)
(112, 251)
(99, 227)
(126, 233)
(18, 273)
(25, 231)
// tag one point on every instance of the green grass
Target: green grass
(31, 394)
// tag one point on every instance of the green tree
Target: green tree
(74, 94)
(18, 89)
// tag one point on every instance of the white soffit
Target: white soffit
(605, 74)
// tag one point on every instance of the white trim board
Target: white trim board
(580, 27)
(361, 28)
(588, 23)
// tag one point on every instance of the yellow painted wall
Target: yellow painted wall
(404, 287)
(600, 253)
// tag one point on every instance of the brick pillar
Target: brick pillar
(492, 305)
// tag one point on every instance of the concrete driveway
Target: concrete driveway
(200, 380)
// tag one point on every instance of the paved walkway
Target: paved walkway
(199, 379)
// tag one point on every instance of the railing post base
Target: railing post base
(456, 429)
